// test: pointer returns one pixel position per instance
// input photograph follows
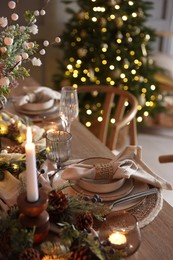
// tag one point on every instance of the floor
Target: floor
(154, 145)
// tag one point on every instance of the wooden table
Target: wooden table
(157, 237)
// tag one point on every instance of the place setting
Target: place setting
(37, 102)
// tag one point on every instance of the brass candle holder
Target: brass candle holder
(34, 215)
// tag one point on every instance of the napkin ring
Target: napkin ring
(104, 171)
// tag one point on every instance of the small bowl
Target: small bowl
(38, 106)
(100, 186)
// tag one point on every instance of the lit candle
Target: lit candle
(31, 170)
(117, 238)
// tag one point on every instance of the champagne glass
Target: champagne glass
(58, 147)
(69, 106)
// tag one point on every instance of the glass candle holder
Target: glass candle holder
(58, 147)
(122, 231)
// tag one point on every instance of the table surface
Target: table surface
(157, 237)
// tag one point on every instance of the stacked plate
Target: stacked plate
(39, 103)
(109, 190)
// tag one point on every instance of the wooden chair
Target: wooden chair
(124, 115)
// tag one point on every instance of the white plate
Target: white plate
(51, 110)
(100, 186)
(39, 106)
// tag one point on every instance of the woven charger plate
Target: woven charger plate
(148, 209)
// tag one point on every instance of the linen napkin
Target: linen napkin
(32, 94)
(114, 170)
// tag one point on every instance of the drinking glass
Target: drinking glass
(69, 106)
(122, 230)
(58, 147)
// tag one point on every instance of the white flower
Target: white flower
(3, 21)
(36, 62)
(14, 17)
(42, 12)
(4, 81)
(8, 41)
(34, 29)
(30, 45)
(3, 49)
(18, 58)
(11, 4)
(42, 52)
(36, 13)
(57, 39)
(22, 28)
(46, 43)
(25, 56)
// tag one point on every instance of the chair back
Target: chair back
(118, 104)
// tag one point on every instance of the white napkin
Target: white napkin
(114, 170)
(31, 94)
(10, 188)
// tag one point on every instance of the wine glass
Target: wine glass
(58, 147)
(69, 106)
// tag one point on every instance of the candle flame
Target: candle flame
(29, 135)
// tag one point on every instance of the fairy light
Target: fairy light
(124, 18)
(88, 124)
(111, 67)
(134, 15)
(94, 19)
(100, 119)
(112, 16)
(146, 113)
(69, 67)
(117, 7)
(104, 30)
(139, 119)
(153, 87)
(89, 112)
(112, 82)
(125, 80)
(122, 75)
(118, 58)
(130, 3)
(112, 120)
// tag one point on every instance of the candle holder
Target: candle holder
(121, 229)
(34, 214)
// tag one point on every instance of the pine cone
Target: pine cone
(16, 149)
(84, 221)
(82, 253)
(58, 202)
(13, 131)
(30, 254)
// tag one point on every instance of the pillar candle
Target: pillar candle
(31, 170)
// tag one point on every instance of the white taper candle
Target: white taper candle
(31, 170)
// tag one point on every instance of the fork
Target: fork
(133, 197)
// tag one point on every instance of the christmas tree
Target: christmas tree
(108, 43)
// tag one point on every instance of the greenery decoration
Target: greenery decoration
(71, 243)
(109, 43)
(17, 46)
